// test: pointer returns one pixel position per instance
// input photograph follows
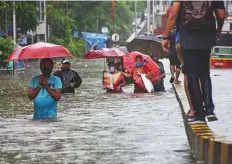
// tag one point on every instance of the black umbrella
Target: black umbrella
(147, 45)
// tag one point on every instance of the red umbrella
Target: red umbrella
(104, 53)
(38, 51)
(148, 64)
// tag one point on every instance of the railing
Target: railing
(141, 29)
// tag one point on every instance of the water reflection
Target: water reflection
(92, 127)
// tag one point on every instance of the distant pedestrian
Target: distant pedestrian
(173, 58)
(69, 78)
(159, 85)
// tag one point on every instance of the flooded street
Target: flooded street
(93, 127)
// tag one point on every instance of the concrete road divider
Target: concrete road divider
(205, 144)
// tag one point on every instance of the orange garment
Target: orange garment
(119, 82)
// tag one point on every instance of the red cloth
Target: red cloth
(138, 89)
(148, 64)
(138, 85)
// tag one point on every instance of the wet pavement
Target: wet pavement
(93, 127)
(221, 84)
(221, 81)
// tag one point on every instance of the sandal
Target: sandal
(190, 113)
(177, 82)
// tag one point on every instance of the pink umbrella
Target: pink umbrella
(104, 53)
(38, 51)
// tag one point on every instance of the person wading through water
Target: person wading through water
(69, 78)
(45, 91)
(118, 80)
(136, 75)
(159, 85)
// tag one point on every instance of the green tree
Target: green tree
(62, 26)
(6, 47)
(92, 16)
(89, 16)
(26, 15)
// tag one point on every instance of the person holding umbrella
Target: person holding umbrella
(45, 91)
(69, 78)
(136, 74)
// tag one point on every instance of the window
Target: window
(223, 50)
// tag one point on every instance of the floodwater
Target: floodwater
(92, 127)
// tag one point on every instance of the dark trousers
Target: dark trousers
(196, 67)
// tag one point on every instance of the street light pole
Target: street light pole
(40, 10)
(14, 25)
(135, 18)
(153, 16)
(148, 17)
(45, 21)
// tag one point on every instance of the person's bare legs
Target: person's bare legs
(191, 112)
(177, 76)
(179, 54)
(177, 73)
(172, 69)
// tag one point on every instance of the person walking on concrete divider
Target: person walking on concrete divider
(198, 34)
(191, 113)
(173, 58)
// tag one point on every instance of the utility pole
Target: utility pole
(40, 10)
(97, 25)
(14, 25)
(161, 5)
(148, 17)
(135, 18)
(153, 16)
(45, 21)
(14, 35)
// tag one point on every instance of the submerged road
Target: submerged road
(93, 127)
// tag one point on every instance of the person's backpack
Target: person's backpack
(197, 15)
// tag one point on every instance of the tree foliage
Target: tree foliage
(92, 16)
(6, 47)
(26, 15)
(64, 17)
